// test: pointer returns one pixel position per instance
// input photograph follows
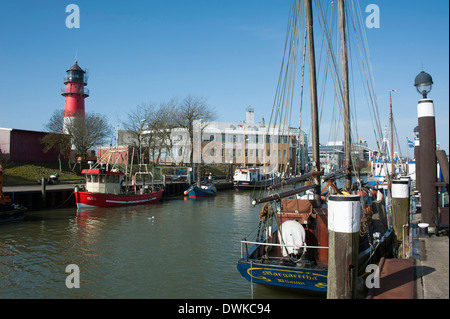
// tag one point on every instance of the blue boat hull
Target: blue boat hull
(309, 280)
(200, 192)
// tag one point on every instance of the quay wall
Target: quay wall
(33, 199)
(61, 196)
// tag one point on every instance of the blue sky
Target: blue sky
(226, 51)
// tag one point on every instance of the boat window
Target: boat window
(95, 178)
(102, 178)
(88, 178)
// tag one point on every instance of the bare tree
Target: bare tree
(162, 125)
(83, 132)
(60, 144)
(193, 109)
(56, 140)
(87, 132)
(138, 122)
(151, 125)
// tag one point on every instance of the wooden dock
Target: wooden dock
(61, 195)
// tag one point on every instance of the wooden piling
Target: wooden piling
(400, 208)
(43, 190)
(344, 213)
(427, 135)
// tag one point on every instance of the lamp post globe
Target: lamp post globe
(416, 132)
(423, 83)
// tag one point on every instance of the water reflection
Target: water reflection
(176, 249)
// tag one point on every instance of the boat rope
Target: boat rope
(67, 199)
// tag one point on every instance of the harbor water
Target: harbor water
(179, 248)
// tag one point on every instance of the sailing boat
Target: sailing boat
(291, 245)
(381, 165)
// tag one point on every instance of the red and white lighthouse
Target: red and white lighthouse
(75, 93)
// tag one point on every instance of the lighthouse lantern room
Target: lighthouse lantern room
(74, 93)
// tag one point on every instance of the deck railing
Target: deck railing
(245, 242)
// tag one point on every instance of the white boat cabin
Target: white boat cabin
(105, 182)
(251, 174)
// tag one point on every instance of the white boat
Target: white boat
(250, 178)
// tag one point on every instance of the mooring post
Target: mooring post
(400, 207)
(344, 214)
(43, 192)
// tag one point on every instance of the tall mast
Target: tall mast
(313, 94)
(392, 136)
(346, 99)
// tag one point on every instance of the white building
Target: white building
(244, 144)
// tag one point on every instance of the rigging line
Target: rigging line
(335, 66)
(281, 94)
(364, 53)
(396, 139)
(288, 31)
(326, 69)
(334, 63)
(298, 155)
(352, 81)
(287, 60)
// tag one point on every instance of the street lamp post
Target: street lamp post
(427, 153)
(416, 157)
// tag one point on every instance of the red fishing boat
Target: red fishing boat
(105, 189)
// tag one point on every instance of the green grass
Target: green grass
(29, 174)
